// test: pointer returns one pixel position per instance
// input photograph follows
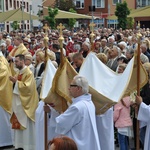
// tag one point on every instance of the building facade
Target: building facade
(144, 21)
(102, 9)
(7, 5)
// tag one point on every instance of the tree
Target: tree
(15, 25)
(130, 22)
(65, 4)
(51, 17)
(122, 11)
(72, 21)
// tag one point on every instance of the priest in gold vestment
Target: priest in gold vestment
(24, 104)
(18, 49)
(6, 133)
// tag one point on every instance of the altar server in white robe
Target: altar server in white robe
(49, 73)
(79, 120)
(105, 127)
(6, 133)
(144, 115)
(39, 126)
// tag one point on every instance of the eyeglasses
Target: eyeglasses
(73, 85)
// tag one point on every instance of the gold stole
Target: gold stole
(15, 123)
(13, 52)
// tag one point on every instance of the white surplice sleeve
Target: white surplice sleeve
(144, 113)
(67, 120)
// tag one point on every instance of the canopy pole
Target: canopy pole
(45, 104)
(138, 93)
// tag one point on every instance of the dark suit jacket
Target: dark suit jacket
(41, 69)
(113, 66)
(145, 94)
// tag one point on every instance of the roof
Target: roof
(67, 15)
(139, 12)
(16, 15)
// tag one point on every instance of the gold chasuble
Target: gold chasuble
(5, 85)
(21, 49)
(27, 95)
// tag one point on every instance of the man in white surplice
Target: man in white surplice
(79, 120)
(144, 115)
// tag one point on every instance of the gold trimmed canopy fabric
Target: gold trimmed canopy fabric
(16, 15)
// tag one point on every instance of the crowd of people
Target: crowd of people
(24, 70)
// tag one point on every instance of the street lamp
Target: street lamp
(30, 18)
(40, 13)
(22, 8)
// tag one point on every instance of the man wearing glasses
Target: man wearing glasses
(78, 121)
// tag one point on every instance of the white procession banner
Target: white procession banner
(49, 73)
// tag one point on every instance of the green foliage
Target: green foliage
(15, 25)
(40, 13)
(51, 17)
(130, 22)
(72, 21)
(122, 11)
(65, 4)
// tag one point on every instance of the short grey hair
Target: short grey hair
(144, 45)
(87, 44)
(118, 49)
(82, 82)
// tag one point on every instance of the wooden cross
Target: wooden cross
(92, 25)
(60, 27)
(46, 27)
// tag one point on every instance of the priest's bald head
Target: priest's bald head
(79, 86)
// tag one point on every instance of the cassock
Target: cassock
(21, 49)
(79, 123)
(39, 126)
(6, 133)
(144, 115)
(24, 104)
(105, 127)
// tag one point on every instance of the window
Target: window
(116, 1)
(1, 5)
(79, 3)
(99, 3)
(6, 4)
(27, 7)
(18, 4)
(14, 4)
(10, 2)
(143, 3)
